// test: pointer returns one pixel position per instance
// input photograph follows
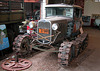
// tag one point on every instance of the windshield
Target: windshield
(59, 11)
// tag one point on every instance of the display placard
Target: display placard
(4, 42)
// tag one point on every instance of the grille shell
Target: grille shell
(44, 24)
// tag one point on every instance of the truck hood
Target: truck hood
(56, 18)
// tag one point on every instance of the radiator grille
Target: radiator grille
(44, 31)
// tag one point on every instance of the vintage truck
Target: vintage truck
(11, 15)
(61, 29)
(97, 23)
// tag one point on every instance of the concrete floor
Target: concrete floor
(89, 60)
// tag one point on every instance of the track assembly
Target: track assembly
(69, 50)
(22, 44)
(64, 55)
(12, 65)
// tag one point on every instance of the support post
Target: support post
(43, 4)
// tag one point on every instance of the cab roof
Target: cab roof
(62, 5)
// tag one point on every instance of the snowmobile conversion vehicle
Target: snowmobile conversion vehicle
(61, 29)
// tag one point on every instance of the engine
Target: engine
(53, 30)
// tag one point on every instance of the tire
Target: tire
(99, 26)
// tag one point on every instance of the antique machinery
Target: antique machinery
(61, 29)
(16, 65)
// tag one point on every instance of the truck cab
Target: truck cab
(63, 18)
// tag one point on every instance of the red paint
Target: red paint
(74, 28)
(28, 28)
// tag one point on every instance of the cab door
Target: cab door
(77, 19)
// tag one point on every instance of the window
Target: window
(77, 13)
(97, 0)
(59, 11)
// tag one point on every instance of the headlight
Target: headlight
(31, 24)
(55, 26)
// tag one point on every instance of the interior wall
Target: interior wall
(91, 7)
(28, 7)
(59, 1)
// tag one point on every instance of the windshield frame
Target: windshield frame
(61, 15)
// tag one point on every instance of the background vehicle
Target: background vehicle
(97, 22)
(11, 15)
(61, 29)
